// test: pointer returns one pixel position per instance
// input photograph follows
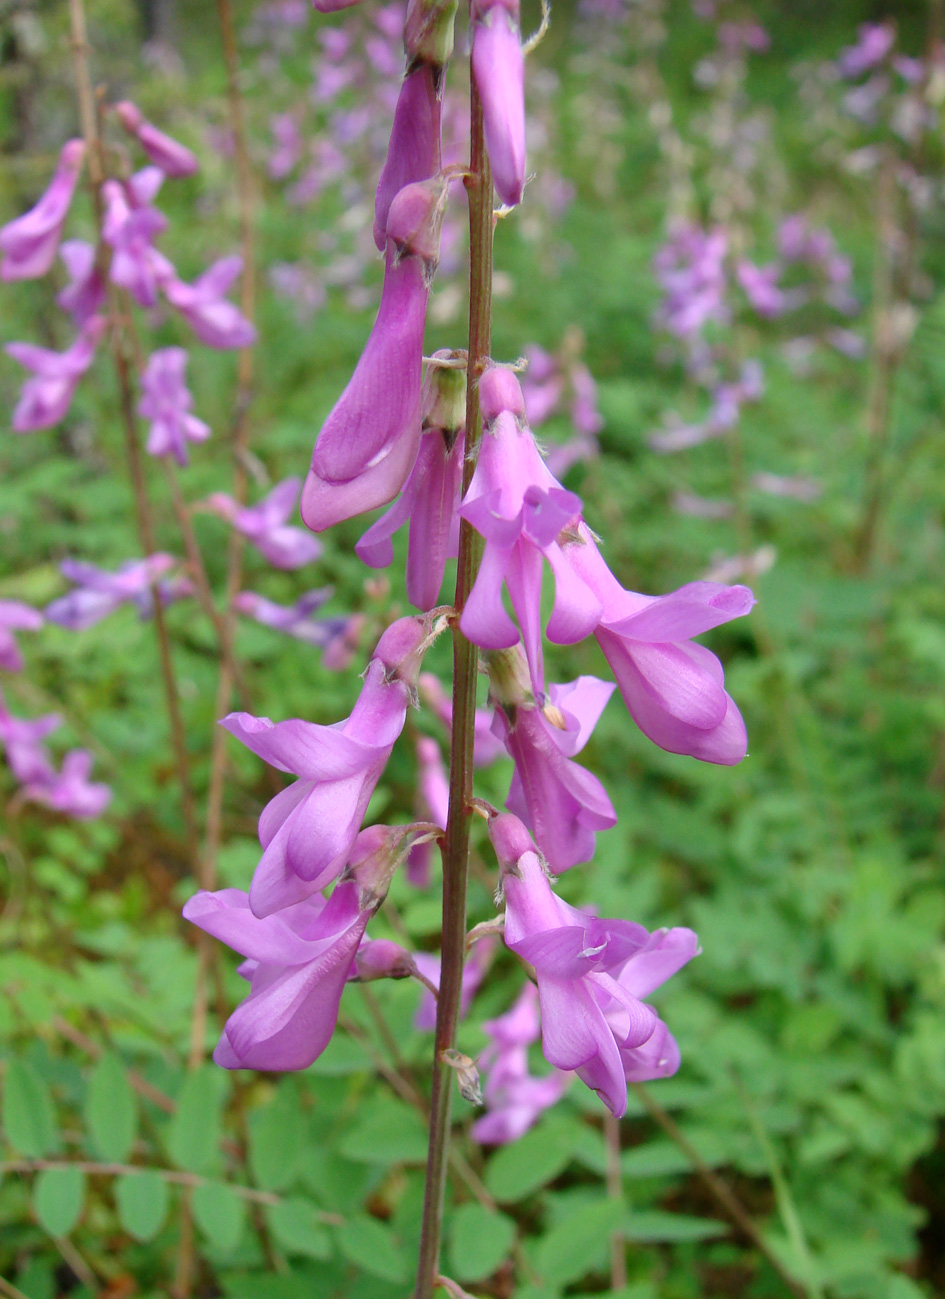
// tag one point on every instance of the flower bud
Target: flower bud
(428, 33)
(381, 958)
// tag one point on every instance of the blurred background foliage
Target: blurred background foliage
(812, 1026)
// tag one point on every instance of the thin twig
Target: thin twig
(721, 1193)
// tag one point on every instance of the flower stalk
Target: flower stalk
(478, 184)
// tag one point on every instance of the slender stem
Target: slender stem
(618, 1245)
(465, 668)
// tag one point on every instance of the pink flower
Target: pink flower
(431, 494)
(15, 616)
(673, 688)
(487, 748)
(432, 804)
(29, 243)
(173, 158)
(98, 592)
(69, 790)
(204, 306)
(414, 150)
(308, 830)
(562, 803)
(368, 444)
(85, 293)
(592, 975)
(265, 525)
(129, 227)
(514, 1098)
(166, 402)
(22, 742)
(45, 399)
(499, 69)
(520, 509)
(760, 285)
(297, 620)
(474, 971)
(297, 961)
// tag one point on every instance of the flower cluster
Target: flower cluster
(397, 436)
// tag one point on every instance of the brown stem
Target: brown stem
(724, 1197)
(465, 667)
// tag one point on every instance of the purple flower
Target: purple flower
(265, 525)
(98, 592)
(22, 742)
(297, 620)
(69, 790)
(673, 688)
(414, 150)
(85, 294)
(430, 498)
(874, 41)
(129, 226)
(515, 1099)
(499, 68)
(592, 975)
(691, 271)
(173, 158)
(297, 961)
(563, 804)
(288, 150)
(166, 402)
(15, 616)
(368, 444)
(760, 285)
(204, 306)
(29, 243)
(45, 399)
(307, 830)
(520, 509)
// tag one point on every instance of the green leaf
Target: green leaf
(220, 1214)
(533, 1161)
(389, 1132)
(297, 1227)
(657, 1225)
(579, 1243)
(58, 1195)
(194, 1136)
(29, 1118)
(142, 1203)
(111, 1111)
(479, 1241)
(276, 1140)
(372, 1246)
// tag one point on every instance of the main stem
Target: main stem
(465, 670)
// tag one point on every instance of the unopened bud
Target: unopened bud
(428, 33)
